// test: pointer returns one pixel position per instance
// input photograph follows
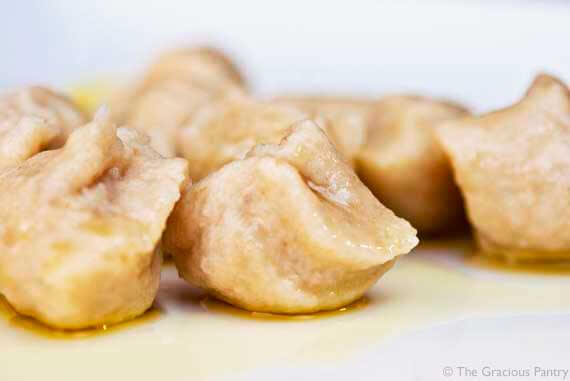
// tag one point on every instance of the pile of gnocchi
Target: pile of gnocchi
(292, 204)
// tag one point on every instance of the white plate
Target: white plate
(431, 311)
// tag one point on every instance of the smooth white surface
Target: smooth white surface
(513, 343)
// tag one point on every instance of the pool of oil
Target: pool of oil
(207, 303)
(465, 248)
(462, 246)
(32, 326)
(219, 307)
(194, 335)
(483, 261)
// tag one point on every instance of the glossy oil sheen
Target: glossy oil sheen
(215, 306)
(34, 327)
(202, 339)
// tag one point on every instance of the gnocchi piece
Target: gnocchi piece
(227, 130)
(288, 229)
(173, 89)
(34, 119)
(404, 166)
(347, 118)
(513, 168)
(79, 227)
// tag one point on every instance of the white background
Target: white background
(481, 52)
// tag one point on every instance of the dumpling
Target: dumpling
(227, 130)
(404, 166)
(513, 168)
(347, 119)
(34, 119)
(79, 227)
(288, 229)
(175, 86)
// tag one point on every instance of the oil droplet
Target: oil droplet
(213, 305)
